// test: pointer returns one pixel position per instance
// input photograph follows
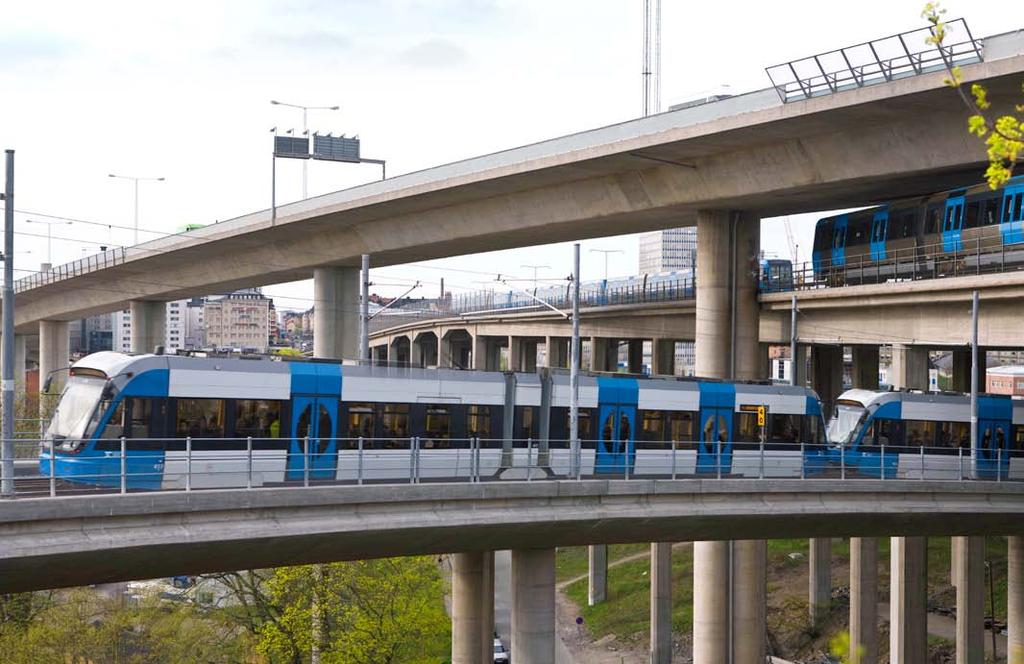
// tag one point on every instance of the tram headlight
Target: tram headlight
(71, 446)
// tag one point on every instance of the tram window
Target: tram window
(680, 426)
(394, 424)
(527, 423)
(115, 425)
(625, 431)
(932, 221)
(745, 429)
(1018, 437)
(1016, 206)
(973, 215)
(652, 425)
(585, 429)
(438, 426)
(880, 432)
(990, 211)
(920, 432)
(784, 428)
(954, 434)
(198, 418)
(908, 225)
(608, 428)
(815, 430)
(326, 431)
(478, 422)
(360, 420)
(258, 418)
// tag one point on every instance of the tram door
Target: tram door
(992, 457)
(715, 447)
(615, 453)
(314, 419)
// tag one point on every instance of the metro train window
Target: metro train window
(954, 434)
(141, 414)
(973, 218)
(360, 420)
(478, 422)
(652, 425)
(527, 423)
(745, 429)
(585, 431)
(438, 426)
(880, 432)
(784, 428)
(920, 432)
(932, 221)
(115, 425)
(1018, 437)
(815, 430)
(680, 426)
(1016, 206)
(990, 211)
(394, 424)
(199, 418)
(258, 418)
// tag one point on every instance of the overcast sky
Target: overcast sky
(182, 89)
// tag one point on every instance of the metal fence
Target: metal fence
(189, 464)
(77, 268)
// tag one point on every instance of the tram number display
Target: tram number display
(745, 408)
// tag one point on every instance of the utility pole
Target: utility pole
(574, 365)
(974, 375)
(7, 350)
(364, 312)
(792, 341)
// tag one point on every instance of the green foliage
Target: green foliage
(840, 647)
(1003, 135)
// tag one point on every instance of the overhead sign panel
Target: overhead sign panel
(293, 147)
(336, 148)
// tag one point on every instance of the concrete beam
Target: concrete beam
(661, 603)
(819, 589)
(908, 600)
(710, 602)
(597, 573)
(149, 325)
(533, 606)
(864, 598)
(749, 601)
(336, 312)
(970, 602)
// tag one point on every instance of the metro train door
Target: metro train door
(314, 419)
(617, 404)
(879, 230)
(992, 457)
(952, 223)
(1012, 214)
(715, 449)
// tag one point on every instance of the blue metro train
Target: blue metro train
(639, 426)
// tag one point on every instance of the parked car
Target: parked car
(501, 655)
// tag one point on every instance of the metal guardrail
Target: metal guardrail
(134, 465)
(873, 62)
(77, 268)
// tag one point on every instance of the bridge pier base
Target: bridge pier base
(865, 368)
(469, 579)
(970, 601)
(149, 325)
(819, 590)
(335, 316)
(749, 600)
(597, 573)
(1015, 600)
(533, 606)
(909, 367)
(864, 598)
(661, 603)
(908, 599)
(54, 353)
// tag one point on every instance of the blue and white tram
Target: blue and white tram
(911, 434)
(359, 421)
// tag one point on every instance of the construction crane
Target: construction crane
(794, 248)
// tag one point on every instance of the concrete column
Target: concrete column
(54, 353)
(865, 367)
(557, 351)
(764, 363)
(749, 600)
(597, 573)
(864, 598)
(149, 325)
(799, 365)
(528, 355)
(415, 352)
(445, 352)
(908, 599)
(599, 354)
(909, 367)
(515, 354)
(467, 601)
(820, 578)
(336, 312)
(661, 603)
(827, 374)
(1015, 600)
(479, 356)
(487, 608)
(663, 357)
(962, 370)
(533, 606)
(970, 601)
(710, 601)
(635, 356)
(748, 309)
(20, 358)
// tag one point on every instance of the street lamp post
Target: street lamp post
(49, 234)
(535, 268)
(136, 180)
(606, 252)
(305, 132)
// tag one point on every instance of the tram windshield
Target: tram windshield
(75, 407)
(844, 423)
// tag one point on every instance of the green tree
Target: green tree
(1003, 134)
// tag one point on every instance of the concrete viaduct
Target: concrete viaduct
(721, 166)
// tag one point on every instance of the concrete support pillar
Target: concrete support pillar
(479, 355)
(533, 606)
(54, 353)
(764, 363)
(710, 601)
(515, 354)
(715, 274)
(416, 354)
(487, 608)
(908, 599)
(528, 356)
(970, 601)
(865, 367)
(635, 356)
(599, 354)
(799, 365)
(557, 352)
(663, 357)
(445, 352)
(20, 358)
(467, 604)
(864, 598)
(1015, 600)
(380, 355)
(909, 367)
(827, 374)
(661, 603)
(149, 325)
(336, 312)
(597, 573)
(819, 592)
(749, 601)
(962, 370)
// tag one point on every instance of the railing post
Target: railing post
(842, 462)
(960, 462)
(188, 463)
(718, 459)
(248, 462)
(476, 456)
(305, 461)
(359, 461)
(999, 464)
(529, 459)
(803, 464)
(760, 472)
(124, 466)
(53, 469)
(412, 460)
(418, 460)
(673, 459)
(922, 462)
(881, 461)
